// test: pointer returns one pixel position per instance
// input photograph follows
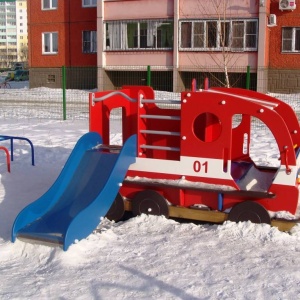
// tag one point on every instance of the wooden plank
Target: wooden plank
(214, 216)
(284, 225)
(197, 214)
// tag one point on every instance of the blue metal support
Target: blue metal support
(12, 138)
(220, 202)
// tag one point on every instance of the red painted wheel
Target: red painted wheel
(151, 203)
(249, 211)
(117, 209)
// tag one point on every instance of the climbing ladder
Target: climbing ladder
(158, 129)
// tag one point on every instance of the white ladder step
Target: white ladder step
(160, 132)
(160, 148)
(161, 101)
(159, 117)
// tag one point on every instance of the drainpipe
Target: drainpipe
(263, 48)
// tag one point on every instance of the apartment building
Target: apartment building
(61, 33)
(22, 35)
(13, 32)
(182, 38)
(178, 39)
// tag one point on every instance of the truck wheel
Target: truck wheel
(117, 209)
(249, 211)
(151, 203)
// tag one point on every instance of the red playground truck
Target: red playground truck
(187, 158)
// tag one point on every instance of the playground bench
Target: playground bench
(12, 138)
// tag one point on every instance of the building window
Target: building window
(218, 35)
(89, 41)
(49, 4)
(135, 35)
(50, 43)
(291, 39)
(89, 3)
(51, 78)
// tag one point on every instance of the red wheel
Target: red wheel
(117, 209)
(249, 211)
(151, 203)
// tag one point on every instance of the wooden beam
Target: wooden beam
(197, 214)
(214, 216)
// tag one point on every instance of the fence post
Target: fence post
(148, 75)
(248, 78)
(64, 92)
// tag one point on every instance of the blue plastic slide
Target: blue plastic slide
(83, 193)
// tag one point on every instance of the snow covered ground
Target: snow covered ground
(146, 257)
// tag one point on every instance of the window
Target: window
(50, 43)
(51, 78)
(89, 3)
(135, 35)
(49, 4)
(89, 41)
(291, 39)
(215, 35)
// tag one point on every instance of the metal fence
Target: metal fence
(159, 77)
(38, 100)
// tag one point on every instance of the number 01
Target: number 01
(198, 166)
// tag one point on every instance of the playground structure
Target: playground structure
(189, 160)
(7, 157)
(11, 140)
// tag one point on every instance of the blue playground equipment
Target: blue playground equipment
(83, 193)
(11, 139)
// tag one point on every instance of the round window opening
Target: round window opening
(207, 127)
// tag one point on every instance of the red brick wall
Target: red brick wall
(284, 18)
(69, 22)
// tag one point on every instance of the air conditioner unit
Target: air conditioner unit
(287, 4)
(272, 20)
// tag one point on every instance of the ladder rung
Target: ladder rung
(160, 148)
(160, 132)
(161, 101)
(158, 117)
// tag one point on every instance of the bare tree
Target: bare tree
(216, 34)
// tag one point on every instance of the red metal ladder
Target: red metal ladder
(143, 116)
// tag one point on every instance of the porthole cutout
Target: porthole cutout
(207, 127)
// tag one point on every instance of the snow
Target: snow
(146, 257)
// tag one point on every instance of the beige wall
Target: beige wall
(138, 9)
(216, 59)
(213, 8)
(139, 58)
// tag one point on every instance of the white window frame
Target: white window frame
(51, 50)
(51, 5)
(292, 40)
(92, 41)
(218, 42)
(89, 3)
(117, 34)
